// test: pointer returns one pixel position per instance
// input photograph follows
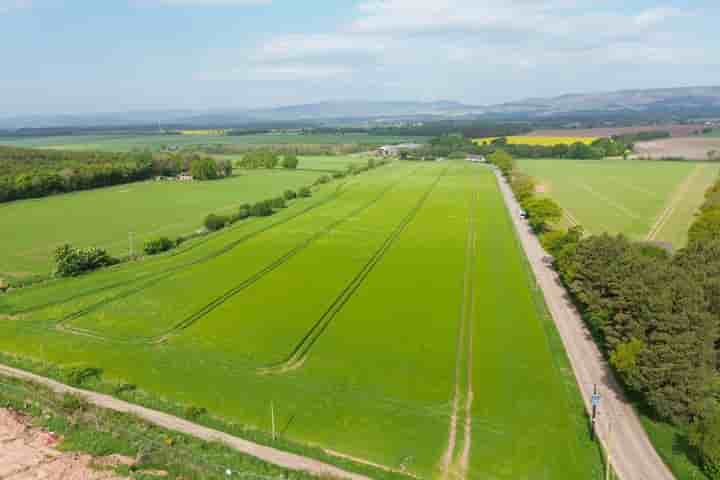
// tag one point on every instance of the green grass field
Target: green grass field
(104, 217)
(124, 143)
(327, 163)
(358, 313)
(642, 199)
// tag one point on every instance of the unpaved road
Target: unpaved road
(631, 454)
(267, 454)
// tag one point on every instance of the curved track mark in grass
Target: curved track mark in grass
(610, 202)
(299, 354)
(667, 213)
(463, 358)
(158, 276)
(215, 303)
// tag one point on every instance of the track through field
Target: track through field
(155, 277)
(300, 353)
(675, 200)
(455, 460)
(215, 303)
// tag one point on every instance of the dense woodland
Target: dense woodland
(33, 173)
(656, 315)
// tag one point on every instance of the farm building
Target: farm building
(394, 150)
(185, 177)
(476, 159)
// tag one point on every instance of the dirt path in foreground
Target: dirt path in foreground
(28, 453)
(632, 455)
(164, 420)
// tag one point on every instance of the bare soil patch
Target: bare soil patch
(29, 453)
(693, 148)
(676, 130)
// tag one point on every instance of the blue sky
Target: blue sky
(116, 55)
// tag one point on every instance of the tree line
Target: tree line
(34, 173)
(655, 314)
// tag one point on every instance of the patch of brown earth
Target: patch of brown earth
(675, 129)
(28, 453)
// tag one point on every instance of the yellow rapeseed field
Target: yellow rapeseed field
(547, 141)
(204, 132)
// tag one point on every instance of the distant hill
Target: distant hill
(653, 101)
(688, 102)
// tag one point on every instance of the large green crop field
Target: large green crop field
(128, 142)
(390, 317)
(642, 199)
(105, 217)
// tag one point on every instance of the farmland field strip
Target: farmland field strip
(172, 270)
(187, 322)
(463, 358)
(300, 352)
(236, 289)
(464, 460)
(541, 308)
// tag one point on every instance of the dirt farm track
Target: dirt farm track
(695, 148)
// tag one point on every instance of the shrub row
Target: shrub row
(706, 226)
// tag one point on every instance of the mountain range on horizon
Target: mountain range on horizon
(685, 100)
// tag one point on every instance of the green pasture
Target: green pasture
(105, 217)
(155, 142)
(327, 163)
(641, 199)
(343, 312)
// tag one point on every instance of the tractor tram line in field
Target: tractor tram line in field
(155, 277)
(193, 318)
(455, 461)
(299, 354)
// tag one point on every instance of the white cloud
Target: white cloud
(443, 42)
(8, 5)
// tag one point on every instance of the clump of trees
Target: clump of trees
(259, 159)
(290, 161)
(71, 261)
(158, 245)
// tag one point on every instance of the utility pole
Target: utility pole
(272, 415)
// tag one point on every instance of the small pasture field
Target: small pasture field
(646, 200)
(541, 140)
(391, 318)
(155, 142)
(105, 217)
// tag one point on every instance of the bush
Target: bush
(304, 192)
(705, 437)
(277, 203)
(289, 194)
(159, 245)
(290, 161)
(215, 222)
(322, 180)
(70, 261)
(261, 209)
